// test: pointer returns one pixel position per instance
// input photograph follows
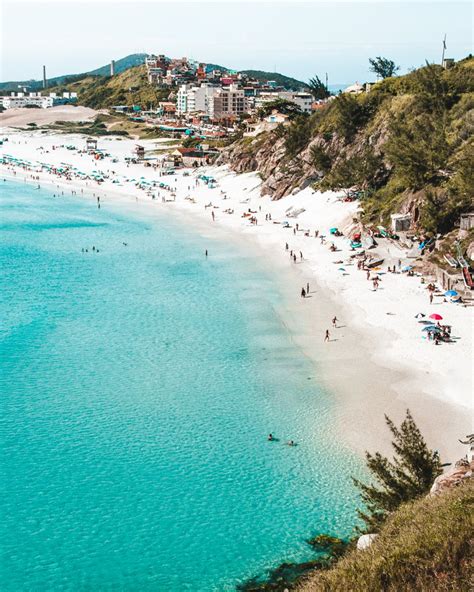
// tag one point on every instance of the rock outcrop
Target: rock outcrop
(453, 477)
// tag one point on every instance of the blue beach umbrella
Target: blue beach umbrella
(431, 328)
(451, 293)
(407, 268)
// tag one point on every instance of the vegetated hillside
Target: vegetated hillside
(128, 88)
(407, 145)
(281, 80)
(425, 546)
(138, 59)
(121, 65)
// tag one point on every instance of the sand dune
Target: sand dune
(21, 117)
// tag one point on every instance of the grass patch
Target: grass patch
(425, 546)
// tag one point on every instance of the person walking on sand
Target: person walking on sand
(213, 216)
(334, 322)
(303, 293)
(326, 337)
(301, 256)
(307, 288)
(294, 258)
(431, 297)
(286, 247)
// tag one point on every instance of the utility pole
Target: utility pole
(444, 49)
(327, 88)
(44, 76)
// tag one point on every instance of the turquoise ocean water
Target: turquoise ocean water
(138, 386)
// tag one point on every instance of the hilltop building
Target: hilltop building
(354, 89)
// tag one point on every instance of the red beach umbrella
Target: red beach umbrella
(436, 316)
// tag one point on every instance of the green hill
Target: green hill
(137, 59)
(121, 65)
(281, 80)
(130, 87)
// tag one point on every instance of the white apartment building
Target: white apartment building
(303, 100)
(192, 98)
(27, 101)
(217, 102)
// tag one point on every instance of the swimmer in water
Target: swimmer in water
(270, 437)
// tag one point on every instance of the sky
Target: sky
(296, 38)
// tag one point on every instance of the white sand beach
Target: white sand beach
(377, 359)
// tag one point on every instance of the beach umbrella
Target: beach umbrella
(436, 316)
(451, 293)
(431, 328)
(407, 268)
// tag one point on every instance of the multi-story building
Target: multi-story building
(21, 100)
(36, 99)
(227, 101)
(191, 98)
(303, 100)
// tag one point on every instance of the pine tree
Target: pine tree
(409, 475)
(383, 67)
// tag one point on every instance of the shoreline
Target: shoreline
(372, 382)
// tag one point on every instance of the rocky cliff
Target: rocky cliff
(406, 146)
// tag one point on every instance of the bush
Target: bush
(298, 135)
(425, 546)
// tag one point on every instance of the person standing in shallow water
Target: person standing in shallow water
(206, 253)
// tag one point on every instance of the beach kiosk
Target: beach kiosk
(139, 152)
(91, 144)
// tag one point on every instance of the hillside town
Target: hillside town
(212, 100)
(209, 99)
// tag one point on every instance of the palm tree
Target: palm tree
(317, 88)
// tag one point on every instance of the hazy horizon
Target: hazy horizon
(298, 39)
